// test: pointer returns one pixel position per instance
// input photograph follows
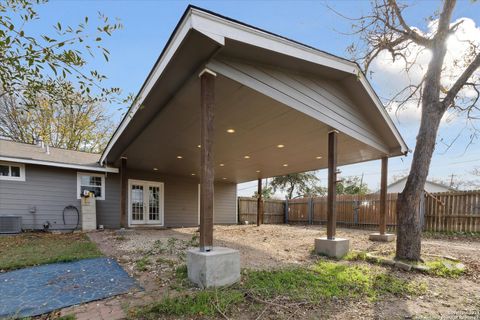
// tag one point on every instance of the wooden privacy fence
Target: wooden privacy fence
(361, 211)
(273, 211)
(451, 211)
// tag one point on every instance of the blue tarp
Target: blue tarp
(37, 290)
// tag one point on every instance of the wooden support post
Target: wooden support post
(123, 193)
(332, 185)
(259, 203)
(383, 197)
(207, 174)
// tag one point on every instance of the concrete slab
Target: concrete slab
(124, 232)
(216, 268)
(387, 237)
(335, 248)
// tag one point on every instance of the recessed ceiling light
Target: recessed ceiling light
(318, 158)
(258, 171)
(285, 164)
(179, 157)
(155, 169)
(246, 157)
(224, 178)
(231, 130)
(222, 165)
(199, 146)
(193, 174)
(280, 146)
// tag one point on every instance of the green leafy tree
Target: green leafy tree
(295, 183)
(314, 191)
(71, 121)
(352, 185)
(29, 64)
(267, 192)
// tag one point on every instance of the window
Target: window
(12, 171)
(93, 182)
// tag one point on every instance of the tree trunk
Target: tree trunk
(409, 230)
(290, 191)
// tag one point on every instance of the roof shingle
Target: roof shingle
(35, 152)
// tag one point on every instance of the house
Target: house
(430, 186)
(249, 103)
(37, 185)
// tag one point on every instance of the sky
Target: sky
(148, 25)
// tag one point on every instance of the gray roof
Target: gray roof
(31, 153)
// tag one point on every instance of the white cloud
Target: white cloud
(410, 113)
(391, 75)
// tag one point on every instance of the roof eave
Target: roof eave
(218, 28)
(59, 164)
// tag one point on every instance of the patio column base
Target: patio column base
(335, 248)
(387, 237)
(216, 268)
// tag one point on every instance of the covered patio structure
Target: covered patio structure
(230, 103)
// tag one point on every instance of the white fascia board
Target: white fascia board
(197, 24)
(211, 24)
(60, 165)
(177, 39)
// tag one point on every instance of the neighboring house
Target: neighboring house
(430, 186)
(277, 105)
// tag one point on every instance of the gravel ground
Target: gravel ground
(275, 246)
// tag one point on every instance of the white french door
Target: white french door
(145, 202)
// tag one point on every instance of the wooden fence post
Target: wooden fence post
(286, 210)
(259, 203)
(383, 197)
(238, 210)
(310, 210)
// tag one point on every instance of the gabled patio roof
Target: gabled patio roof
(271, 90)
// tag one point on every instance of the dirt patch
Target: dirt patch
(276, 246)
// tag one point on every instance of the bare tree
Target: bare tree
(385, 30)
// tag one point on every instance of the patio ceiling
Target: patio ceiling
(271, 91)
(270, 138)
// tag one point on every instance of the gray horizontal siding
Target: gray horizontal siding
(108, 210)
(181, 199)
(180, 196)
(47, 189)
(50, 190)
(225, 203)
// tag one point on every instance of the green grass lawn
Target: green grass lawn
(30, 249)
(324, 280)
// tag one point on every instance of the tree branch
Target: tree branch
(409, 32)
(461, 81)
(444, 20)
